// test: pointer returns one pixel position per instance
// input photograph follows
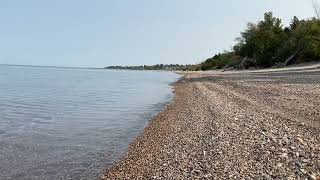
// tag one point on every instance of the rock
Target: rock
(165, 164)
(267, 176)
(268, 152)
(312, 177)
(312, 155)
(204, 153)
(301, 140)
(291, 178)
(303, 171)
(279, 165)
(284, 155)
(305, 160)
(298, 164)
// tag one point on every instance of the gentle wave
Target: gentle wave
(60, 123)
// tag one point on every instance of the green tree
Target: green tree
(268, 43)
(261, 41)
(306, 38)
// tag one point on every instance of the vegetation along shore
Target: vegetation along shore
(264, 44)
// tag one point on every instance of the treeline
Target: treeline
(267, 43)
(164, 67)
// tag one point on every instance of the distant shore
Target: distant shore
(254, 125)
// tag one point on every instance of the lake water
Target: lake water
(63, 123)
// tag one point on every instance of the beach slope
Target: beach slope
(253, 125)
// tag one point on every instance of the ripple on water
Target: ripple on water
(72, 123)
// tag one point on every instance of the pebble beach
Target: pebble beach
(244, 125)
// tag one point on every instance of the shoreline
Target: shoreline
(231, 125)
(133, 146)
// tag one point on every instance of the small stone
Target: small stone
(267, 176)
(305, 160)
(290, 178)
(312, 177)
(312, 155)
(165, 164)
(284, 155)
(300, 140)
(268, 152)
(196, 172)
(279, 165)
(204, 153)
(303, 171)
(298, 164)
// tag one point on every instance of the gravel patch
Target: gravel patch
(231, 126)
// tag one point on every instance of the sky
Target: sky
(99, 33)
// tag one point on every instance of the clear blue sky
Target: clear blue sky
(98, 33)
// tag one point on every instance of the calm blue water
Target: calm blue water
(58, 123)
